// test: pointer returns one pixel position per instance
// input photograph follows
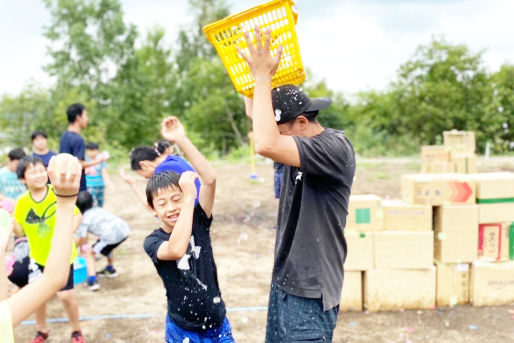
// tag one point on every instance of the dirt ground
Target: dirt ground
(132, 307)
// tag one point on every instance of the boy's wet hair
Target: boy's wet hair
(25, 162)
(84, 201)
(160, 181)
(92, 146)
(38, 133)
(16, 154)
(142, 153)
(74, 111)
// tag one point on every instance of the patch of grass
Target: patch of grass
(382, 176)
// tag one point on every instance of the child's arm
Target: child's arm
(139, 194)
(5, 234)
(177, 245)
(107, 178)
(173, 131)
(32, 296)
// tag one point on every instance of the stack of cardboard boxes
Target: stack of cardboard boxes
(492, 276)
(460, 223)
(457, 155)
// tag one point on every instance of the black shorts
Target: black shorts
(69, 283)
(100, 247)
(20, 272)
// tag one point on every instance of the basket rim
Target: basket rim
(210, 27)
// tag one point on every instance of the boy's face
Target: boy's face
(83, 119)
(35, 176)
(40, 143)
(12, 165)
(167, 203)
(92, 153)
(147, 169)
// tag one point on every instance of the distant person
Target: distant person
(110, 230)
(146, 161)
(71, 141)
(21, 304)
(40, 146)
(10, 187)
(310, 247)
(35, 217)
(97, 176)
(181, 248)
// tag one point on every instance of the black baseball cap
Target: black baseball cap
(290, 101)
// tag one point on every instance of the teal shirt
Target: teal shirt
(10, 186)
(94, 174)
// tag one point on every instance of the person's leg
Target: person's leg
(273, 324)
(92, 282)
(110, 259)
(100, 196)
(40, 315)
(303, 319)
(71, 306)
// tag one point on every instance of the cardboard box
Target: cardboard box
(463, 141)
(456, 233)
(499, 185)
(438, 167)
(492, 283)
(493, 241)
(452, 286)
(495, 196)
(495, 213)
(399, 215)
(437, 189)
(364, 213)
(396, 289)
(432, 153)
(464, 163)
(360, 250)
(351, 296)
(404, 249)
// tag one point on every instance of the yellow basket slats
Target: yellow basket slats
(278, 15)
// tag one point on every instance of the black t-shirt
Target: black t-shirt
(72, 143)
(194, 298)
(310, 247)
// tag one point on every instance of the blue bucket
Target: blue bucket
(79, 270)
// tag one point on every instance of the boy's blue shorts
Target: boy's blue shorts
(220, 334)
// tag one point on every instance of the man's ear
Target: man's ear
(302, 121)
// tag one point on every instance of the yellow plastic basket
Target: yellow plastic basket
(228, 33)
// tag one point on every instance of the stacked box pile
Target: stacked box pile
(456, 155)
(448, 241)
(492, 276)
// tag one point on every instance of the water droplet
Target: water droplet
(278, 113)
(216, 300)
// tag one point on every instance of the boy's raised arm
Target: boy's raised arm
(176, 247)
(64, 171)
(173, 131)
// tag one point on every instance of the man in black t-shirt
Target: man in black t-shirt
(71, 141)
(310, 247)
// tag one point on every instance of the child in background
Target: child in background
(163, 147)
(181, 248)
(111, 232)
(10, 187)
(35, 217)
(40, 146)
(20, 305)
(97, 176)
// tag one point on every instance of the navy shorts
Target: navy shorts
(297, 319)
(37, 272)
(220, 334)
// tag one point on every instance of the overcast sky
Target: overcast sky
(354, 44)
